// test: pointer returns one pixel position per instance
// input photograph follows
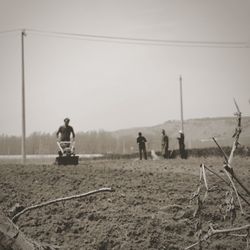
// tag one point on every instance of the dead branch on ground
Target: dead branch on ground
(229, 203)
(211, 232)
(12, 238)
(60, 200)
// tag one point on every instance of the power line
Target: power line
(143, 41)
(137, 41)
(4, 32)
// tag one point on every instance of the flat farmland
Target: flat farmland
(149, 208)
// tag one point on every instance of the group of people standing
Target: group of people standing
(66, 130)
(141, 141)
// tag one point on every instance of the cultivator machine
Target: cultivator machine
(66, 153)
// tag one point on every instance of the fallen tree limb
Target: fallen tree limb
(232, 173)
(229, 230)
(12, 238)
(241, 184)
(211, 232)
(222, 151)
(205, 181)
(213, 172)
(229, 204)
(217, 175)
(172, 206)
(236, 134)
(235, 190)
(60, 200)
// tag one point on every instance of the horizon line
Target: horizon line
(128, 128)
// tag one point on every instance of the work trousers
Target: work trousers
(183, 151)
(164, 151)
(142, 149)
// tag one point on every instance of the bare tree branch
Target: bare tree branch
(222, 151)
(60, 200)
(236, 133)
(241, 184)
(217, 175)
(211, 232)
(233, 180)
(205, 180)
(235, 190)
(12, 238)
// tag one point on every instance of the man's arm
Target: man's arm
(58, 132)
(167, 140)
(73, 133)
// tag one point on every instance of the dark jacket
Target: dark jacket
(141, 140)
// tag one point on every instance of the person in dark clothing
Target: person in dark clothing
(63, 135)
(164, 145)
(65, 131)
(182, 145)
(141, 141)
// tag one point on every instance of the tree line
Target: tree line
(86, 143)
(95, 142)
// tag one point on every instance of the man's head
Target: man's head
(66, 121)
(140, 134)
(163, 132)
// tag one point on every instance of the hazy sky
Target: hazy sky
(107, 85)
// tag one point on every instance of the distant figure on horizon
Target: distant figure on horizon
(65, 131)
(182, 145)
(164, 145)
(141, 141)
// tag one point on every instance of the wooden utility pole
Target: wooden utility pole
(182, 123)
(23, 100)
(123, 147)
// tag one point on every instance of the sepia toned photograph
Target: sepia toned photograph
(124, 124)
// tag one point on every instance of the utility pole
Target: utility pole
(23, 34)
(182, 123)
(123, 147)
(181, 139)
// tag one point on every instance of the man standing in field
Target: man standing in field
(164, 145)
(141, 141)
(65, 131)
(182, 145)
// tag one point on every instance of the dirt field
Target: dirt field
(138, 215)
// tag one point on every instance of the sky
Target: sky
(102, 84)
